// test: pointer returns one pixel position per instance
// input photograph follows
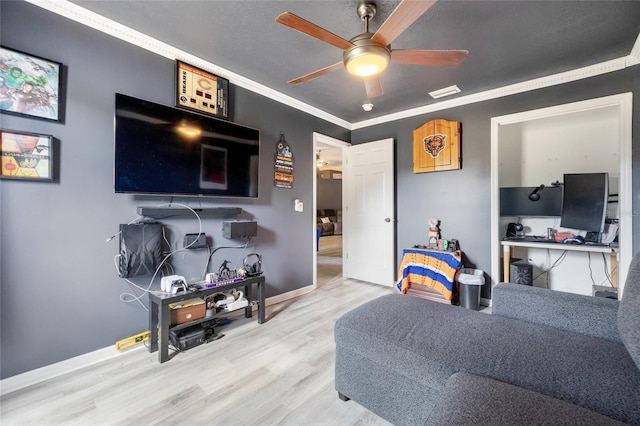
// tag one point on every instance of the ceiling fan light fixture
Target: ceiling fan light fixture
(367, 65)
(447, 91)
(366, 59)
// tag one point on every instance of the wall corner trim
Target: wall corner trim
(122, 32)
(100, 23)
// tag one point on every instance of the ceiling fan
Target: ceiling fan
(368, 54)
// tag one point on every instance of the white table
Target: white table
(587, 248)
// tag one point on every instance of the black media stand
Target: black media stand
(159, 315)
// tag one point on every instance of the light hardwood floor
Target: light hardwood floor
(329, 259)
(277, 373)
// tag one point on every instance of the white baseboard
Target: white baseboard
(14, 383)
(289, 295)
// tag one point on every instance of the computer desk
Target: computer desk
(587, 248)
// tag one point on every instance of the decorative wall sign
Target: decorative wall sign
(27, 156)
(436, 146)
(29, 85)
(201, 91)
(283, 176)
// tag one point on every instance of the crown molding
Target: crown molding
(525, 86)
(122, 32)
(634, 56)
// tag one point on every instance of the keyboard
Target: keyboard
(530, 238)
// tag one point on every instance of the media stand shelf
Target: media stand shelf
(209, 318)
(162, 212)
(159, 315)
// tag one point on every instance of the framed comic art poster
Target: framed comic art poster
(26, 156)
(199, 90)
(29, 86)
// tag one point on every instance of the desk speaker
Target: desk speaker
(521, 273)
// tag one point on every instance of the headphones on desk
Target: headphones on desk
(253, 264)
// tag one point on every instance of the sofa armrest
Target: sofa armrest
(591, 316)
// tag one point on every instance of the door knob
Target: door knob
(387, 219)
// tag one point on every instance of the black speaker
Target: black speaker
(513, 229)
(521, 273)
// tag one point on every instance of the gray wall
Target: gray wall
(461, 199)
(59, 288)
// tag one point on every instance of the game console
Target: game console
(195, 335)
(241, 302)
(230, 301)
(166, 283)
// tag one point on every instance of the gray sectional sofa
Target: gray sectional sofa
(541, 357)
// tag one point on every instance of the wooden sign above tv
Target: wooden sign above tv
(199, 90)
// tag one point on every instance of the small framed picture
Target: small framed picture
(26, 156)
(29, 86)
(199, 90)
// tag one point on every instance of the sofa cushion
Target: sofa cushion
(468, 399)
(629, 311)
(592, 316)
(430, 341)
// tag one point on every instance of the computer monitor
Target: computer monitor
(584, 202)
(515, 201)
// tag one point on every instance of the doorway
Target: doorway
(327, 206)
(613, 111)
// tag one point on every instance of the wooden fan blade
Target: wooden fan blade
(407, 12)
(306, 27)
(447, 58)
(373, 87)
(318, 73)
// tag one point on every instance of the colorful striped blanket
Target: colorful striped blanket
(433, 268)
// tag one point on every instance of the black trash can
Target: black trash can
(471, 281)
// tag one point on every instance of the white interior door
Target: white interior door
(368, 212)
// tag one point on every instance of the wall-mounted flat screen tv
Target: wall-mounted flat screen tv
(161, 150)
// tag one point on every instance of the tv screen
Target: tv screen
(514, 201)
(584, 203)
(161, 150)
